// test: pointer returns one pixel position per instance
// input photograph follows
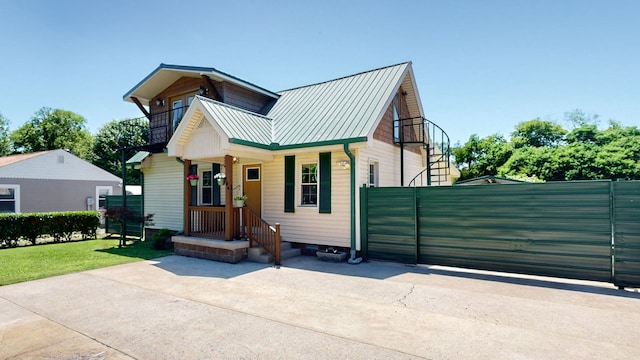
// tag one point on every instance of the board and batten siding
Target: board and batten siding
(306, 224)
(163, 192)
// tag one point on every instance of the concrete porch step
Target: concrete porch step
(260, 255)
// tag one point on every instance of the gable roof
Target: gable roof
(347, 109)
(52, 165)
(12, 159)
(166, 74)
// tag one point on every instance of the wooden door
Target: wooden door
(252, 187)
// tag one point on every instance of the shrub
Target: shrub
(160, 239)
(59, 225)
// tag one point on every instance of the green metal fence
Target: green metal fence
(134, 202)
(582, 230)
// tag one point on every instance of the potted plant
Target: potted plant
(238, 200)
(193, 179)
(221, 178)
(332, 255)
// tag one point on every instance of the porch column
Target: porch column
(187, 198)
(228, 196)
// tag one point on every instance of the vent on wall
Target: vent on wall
(60, 159)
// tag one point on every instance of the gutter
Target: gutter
(352, 260)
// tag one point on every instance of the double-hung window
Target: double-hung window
(373, 174)
(309, 184)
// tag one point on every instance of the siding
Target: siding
(163, 191)
(306, 224)
(388, 158)
(58, 195)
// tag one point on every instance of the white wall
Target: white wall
(164, 191)
(306, 224)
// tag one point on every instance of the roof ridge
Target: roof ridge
(344, 77)
(233, 107)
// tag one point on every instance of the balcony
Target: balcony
(162, 125)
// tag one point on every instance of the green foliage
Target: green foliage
(481, 157)
(537, 133)
(51, 129)
(546, 151)
(59, 225)
(114, 136)
(159, 240)
(5, 141)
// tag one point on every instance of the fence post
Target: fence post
(364, 219)
(277, 243)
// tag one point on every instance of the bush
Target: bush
(59, 225)
(160, 239)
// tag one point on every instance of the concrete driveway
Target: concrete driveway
(184, 308)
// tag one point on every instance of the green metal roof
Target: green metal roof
(344, 108)
(332, 112)
(238, 123)
(138, 158)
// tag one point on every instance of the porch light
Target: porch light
(344, 163)
(203, 91)
(160, 102)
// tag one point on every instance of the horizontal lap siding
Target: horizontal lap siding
(627, 233)
(163, 192)
(306, 224)
(556, 229)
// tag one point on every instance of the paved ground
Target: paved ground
(183, 308)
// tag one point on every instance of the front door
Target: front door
(251, 185)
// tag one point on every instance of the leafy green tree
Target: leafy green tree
(114, 136)
(51, 129)
(537, 133)
(482, 156)
(5, 141)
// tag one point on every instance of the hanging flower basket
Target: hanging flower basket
(193, 179)
(221, 178)
(238, 200)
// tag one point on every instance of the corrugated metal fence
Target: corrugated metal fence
(134, 202)
(582, 230)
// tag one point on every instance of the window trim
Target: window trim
(301, 184)
(246, 173)
(16, 196)
(103, 187)
(376, 173)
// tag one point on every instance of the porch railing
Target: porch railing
(262, 233)
(207, 221)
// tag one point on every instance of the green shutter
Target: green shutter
(325, 183)
(289, 183)
(216, 189)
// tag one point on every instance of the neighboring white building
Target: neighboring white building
(53, 180)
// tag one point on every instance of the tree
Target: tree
(112, 137)
(479, 157)
(537, 133)
(51, 129)
(5, 141)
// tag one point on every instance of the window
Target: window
(101, 192)
(9, 198)
(253, 174)
(177, 113)
(373, 174)
(207, 187)
(309, 191)
(396, 117)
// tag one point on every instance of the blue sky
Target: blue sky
(481, 66)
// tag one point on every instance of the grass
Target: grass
(37, 262)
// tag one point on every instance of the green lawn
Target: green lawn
(37, 262)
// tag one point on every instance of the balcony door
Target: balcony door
(179, 106)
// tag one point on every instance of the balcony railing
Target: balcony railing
(163, 124)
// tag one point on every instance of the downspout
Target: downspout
(352, 160)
